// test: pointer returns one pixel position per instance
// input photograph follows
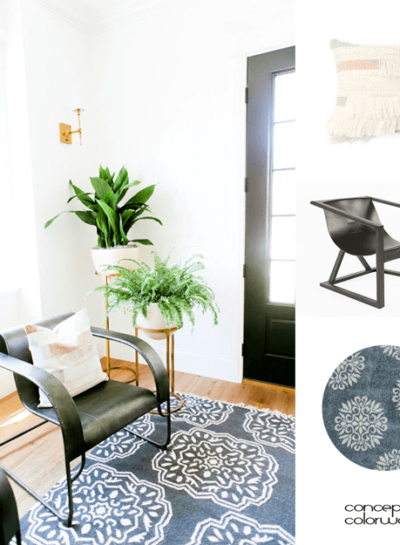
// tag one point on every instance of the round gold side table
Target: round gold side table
(169, 360)
(135, 373)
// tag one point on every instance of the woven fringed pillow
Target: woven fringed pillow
(368, 99)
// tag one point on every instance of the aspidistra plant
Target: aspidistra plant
(105, 211)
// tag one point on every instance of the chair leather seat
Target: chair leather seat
(356, 238)
(391, 248)
(107, 408)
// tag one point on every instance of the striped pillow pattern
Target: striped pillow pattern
(368, 99)
(68, 352)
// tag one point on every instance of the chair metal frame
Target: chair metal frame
(9, 520)
(67, 414)
(379, 268)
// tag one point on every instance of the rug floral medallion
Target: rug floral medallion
(361, 408)
(227, 478)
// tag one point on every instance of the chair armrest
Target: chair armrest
(63, 404)
(151, 357)
(390, 203)
(363, 221)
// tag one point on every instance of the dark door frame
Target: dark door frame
(258, 165)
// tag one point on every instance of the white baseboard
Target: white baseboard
(7, 384)
(205, 365)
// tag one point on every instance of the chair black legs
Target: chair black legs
(166, 415)
(68, 520)
(380, 270)
(9, 519)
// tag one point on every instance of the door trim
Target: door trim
(275, 49)
(237, 351)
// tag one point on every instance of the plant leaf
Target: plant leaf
(141, 197)
(101, 187)
(48, 223)
(125, 189)
(81, 195)
(86, 216)
(126, 215)
(121, 180)
(78, 197)
(144, 241)
(112, 218)
(105, 174)
(121, 230)
(102, 222)
(110, 199)
(150, 218)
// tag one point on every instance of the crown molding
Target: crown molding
(70, 11)
(125, 13)
(93, 21)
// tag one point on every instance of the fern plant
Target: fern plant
(112, 219)
(176, 290)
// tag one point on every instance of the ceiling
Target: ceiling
(96, 6)
(97, 15)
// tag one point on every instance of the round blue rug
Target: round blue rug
(361, 408)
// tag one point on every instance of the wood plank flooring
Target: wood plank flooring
(37, 458)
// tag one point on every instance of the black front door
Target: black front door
(269, 319)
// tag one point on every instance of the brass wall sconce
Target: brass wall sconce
(65, 130)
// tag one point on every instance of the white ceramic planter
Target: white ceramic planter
(111, 256)
(154, 320)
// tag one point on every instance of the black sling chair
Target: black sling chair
(355, 227)
(9, 522)
(90, 417)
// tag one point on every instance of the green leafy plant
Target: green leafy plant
(176, 290)
(112, 220)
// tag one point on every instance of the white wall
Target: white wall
(20, 297)
(47, 62)
(169, 101)
(57, 68)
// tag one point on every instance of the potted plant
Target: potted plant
(159, 297)
(112, 219)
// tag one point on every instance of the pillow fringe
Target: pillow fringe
(372, 107)
(390, 68)
(342, 128)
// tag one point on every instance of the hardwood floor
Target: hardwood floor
(37, 458)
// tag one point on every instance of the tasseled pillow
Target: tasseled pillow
(368, 98)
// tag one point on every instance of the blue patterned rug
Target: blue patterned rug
(361, 408)
(227, 478)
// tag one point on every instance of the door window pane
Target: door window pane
(282, 282)
(284, 145)
(283, 192)
(283, 238)
(284, 103)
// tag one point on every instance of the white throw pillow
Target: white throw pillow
(368, 96)
(68, 352)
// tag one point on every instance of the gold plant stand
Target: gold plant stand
(135, 378)
(169, 361)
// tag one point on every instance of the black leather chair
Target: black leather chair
(9, 522)
(356, 229)
(90, 417)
